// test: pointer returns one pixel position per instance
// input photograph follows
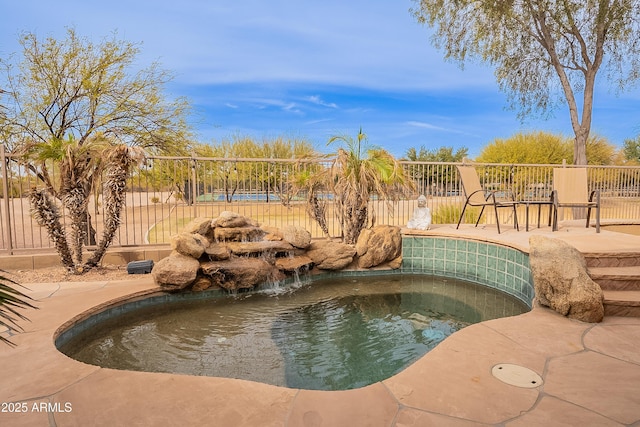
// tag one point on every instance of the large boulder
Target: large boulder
(200, 226)
(261, 248)
(238, 234)
(296, 236)
(382, 243)
(328, 255)
(176, 271)
(240, 273)
(296, 264)
(561, 280)
(217, 252)
(228, 219)
(189, 244)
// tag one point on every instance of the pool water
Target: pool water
(333, 334)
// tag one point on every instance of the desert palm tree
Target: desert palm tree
(310, 180)
(120, 159)
(11, 300)
(75, 168)
(357, 172)
(79, 167)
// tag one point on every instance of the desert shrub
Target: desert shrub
(449, 214)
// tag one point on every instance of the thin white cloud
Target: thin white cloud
(314, 99)
(315, 122)
(359, 43)
(426, 126)
(292, 108)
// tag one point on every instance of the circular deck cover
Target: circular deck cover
(515, 375)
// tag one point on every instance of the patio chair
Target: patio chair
(570, 190)
(476, 196)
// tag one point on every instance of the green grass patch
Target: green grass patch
(162, 231)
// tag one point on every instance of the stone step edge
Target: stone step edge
(615, 273)
(612, 260)
(622, 298)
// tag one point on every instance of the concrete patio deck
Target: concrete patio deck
(590, 372)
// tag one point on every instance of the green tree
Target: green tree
(277, 176)
(254, 168)
(527, 148)
(537, 46)
(74, 111)
(430, 178)
(544, 148)
(356, 172)
(600, 151)
(631, 150)
(73, 87)
(442, 154)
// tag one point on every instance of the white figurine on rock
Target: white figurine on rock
(421, 219)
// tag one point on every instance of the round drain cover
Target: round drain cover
(518, 376)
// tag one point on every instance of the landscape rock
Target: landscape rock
(395, 263)
(176, 271)
(217, 252)
(228, 219)
(202, 283)
(241, 273)
(379, 244)
(328, 255)
(296, 236)
(233, 252)
(190, 244)
(238, 234)
(561, 280)
(259, 248)
(294, 264)
(200, 226)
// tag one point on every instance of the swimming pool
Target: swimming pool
(331, 334)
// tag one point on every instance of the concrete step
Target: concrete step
(622, 303)
(618, 259)
(616, 278)
(620, 285)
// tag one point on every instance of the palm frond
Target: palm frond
(12, 300)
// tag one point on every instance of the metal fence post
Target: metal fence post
(194, 187)
(5, 196)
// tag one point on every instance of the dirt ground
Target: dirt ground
(60, 274)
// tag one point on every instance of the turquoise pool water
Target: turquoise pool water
(332, 334)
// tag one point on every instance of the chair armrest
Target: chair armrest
(490, 194)
(477, 191)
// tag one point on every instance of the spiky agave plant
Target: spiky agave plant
(118, 165)
(11, 300)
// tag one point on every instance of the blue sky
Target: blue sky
(311, 69)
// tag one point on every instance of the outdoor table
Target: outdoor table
(539, 203)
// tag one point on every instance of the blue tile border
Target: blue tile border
(499, 267)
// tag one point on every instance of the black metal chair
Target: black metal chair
(476, 196)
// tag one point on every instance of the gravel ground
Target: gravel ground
(60, 274)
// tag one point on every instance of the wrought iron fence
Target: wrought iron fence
(166, 193)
